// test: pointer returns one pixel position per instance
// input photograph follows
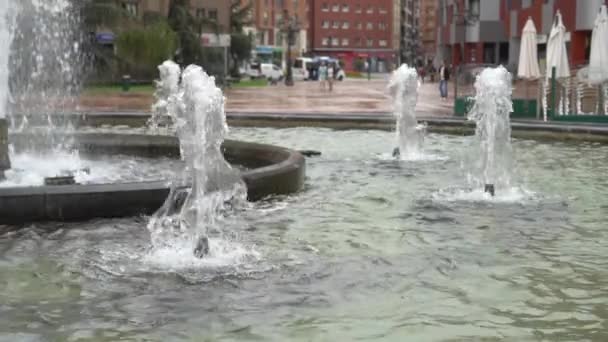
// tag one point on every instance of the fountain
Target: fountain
(491, 114)
(5, 40)
(57, 173)
(167, 89)
(197, 109)
(403, 87)
(39, 74)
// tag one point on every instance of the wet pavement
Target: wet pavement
(349, 96)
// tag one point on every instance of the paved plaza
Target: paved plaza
(349, 96)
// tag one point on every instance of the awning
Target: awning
(105, 38)
(264, 50)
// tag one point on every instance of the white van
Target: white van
(271, 72)
(300, 68)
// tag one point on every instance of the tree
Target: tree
(240, 50)
(188, 29)
(240, 15)
(146, 47)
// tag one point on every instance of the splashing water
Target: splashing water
(493, 134)
(403, 87)
(167, 89)
(45, 63)
(40, 69)
(190, 214)
(6, 38)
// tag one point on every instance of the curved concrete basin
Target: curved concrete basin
(270, 170)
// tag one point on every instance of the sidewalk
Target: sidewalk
(348, 96)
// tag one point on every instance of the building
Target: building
(428, 21)
(354, 32)
(489, 31)
(267, 28)
(410, 47)
(578, 16)
(218, 10)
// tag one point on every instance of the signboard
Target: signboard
(215, 40)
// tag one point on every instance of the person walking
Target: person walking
(323, 75)
(330, 76)
(444, 77)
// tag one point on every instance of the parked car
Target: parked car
(301, 68)
(271, 72)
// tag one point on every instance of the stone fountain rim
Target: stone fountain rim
(525, 129)
(284, 174)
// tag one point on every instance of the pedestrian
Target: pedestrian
(422, 73)
(323, 75)
(444, 77)
(330, 76)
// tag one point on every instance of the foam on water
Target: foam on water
(221, 253)
(415, 157)
(403, 87)
(506, 195)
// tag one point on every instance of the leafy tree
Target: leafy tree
(240, 50)
(240, 15)
(188, 29)
(144, 48)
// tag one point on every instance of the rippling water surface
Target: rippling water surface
(373, 249)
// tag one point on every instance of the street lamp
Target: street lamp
(290, 26)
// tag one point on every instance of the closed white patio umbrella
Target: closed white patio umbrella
(528, 54)
(557, 55)
(598, 61)
(528, 68)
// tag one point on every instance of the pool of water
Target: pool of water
(30, 169)
(373, 249)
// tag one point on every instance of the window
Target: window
(335, 41)
(345, 25)
(325, 7)
(345, 8)
(325, 41)
(370, 26)
(336, 24)
(212, 14)
(382, 43)
(370, 43)
(357, 41)
(344, 41)
(335, 8)
(359, 26)
(382, 26)
(201, 13)
(382, 10)
(325, 24)
(370, 10)
(265, 18)
(358, 9)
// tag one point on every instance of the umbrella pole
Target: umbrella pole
(527, 99)
(601, 110)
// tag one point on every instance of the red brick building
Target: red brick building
(353, 31)
(266, 19)
(492, 33)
